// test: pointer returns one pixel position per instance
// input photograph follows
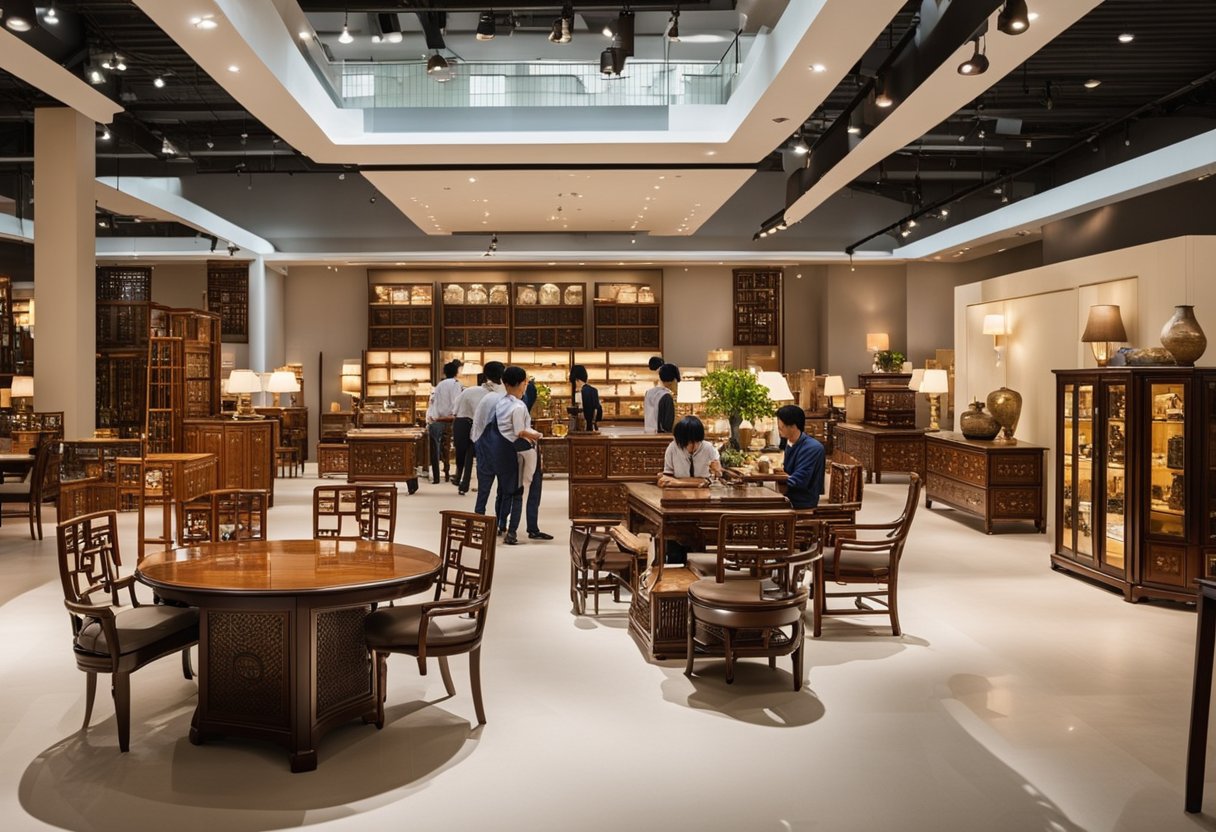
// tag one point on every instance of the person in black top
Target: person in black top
(529, 396)
(655, 362)
(669, 374)
(589, 397)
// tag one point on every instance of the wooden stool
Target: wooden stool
(288, 458)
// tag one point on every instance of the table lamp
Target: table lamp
(23, 393)
(779, 392)
(918, 376)
(352, 380)
(243, 383)
(282, 381)
(1103, 330)
(935, 383)
(833, 386)
(994, 325)
(689, 393)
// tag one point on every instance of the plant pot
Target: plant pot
(1006, 407)
(976, 424)
(1183, 336)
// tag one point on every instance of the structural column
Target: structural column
(65, 266)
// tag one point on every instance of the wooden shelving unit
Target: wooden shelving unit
(549, 316)
(228, 297)
(476, 316)
(400, 315)
(757, 307)
(182, 374)
(393, 374)
(627, 316)
(7, 332)
(124, 300)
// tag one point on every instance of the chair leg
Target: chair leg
(730, 656)
(691, 646)
(596, 578)
(893, 608)
(447, 676)
(798, 656)
(187, 670)
(122, 709)
(32, 535)
(772, 662)
(38, 513)
(381, 660)
(90, 691)
(475, 683)
(818, 601)
(421, 666)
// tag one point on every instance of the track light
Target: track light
(1014, 18)
(624, 34)
(612, 61)
(346, 37)
(167, 148)
(105, 134)
(977, 64)
(51, 16)
(19, 16)
(905, 231)
(436, 64)
(96, 76)
(673, 31)
(232, 249)
(881, 97)
(115, 62)
(486, 29)
(158, 82)
(800, 146)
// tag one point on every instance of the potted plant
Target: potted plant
(544, 397)
(888, 361)
(736, 395)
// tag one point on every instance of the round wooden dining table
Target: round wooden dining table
(281, 649)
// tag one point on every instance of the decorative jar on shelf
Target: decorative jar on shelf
(1183, 336)
(976, 424)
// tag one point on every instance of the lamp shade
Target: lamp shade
(833, 386)
(244, 381)
(1104, 324)
(283, 381)
(688, 392)
(778, 388)
(935, 381)
(994, 325)
(23, 387)
(877, 341)
(918, 376)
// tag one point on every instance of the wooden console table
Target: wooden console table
(384, 455)
(991, 480)
(601, 463)
(883, 450)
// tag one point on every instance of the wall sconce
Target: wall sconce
(994, 325)
(933, 384)
(1103, 330)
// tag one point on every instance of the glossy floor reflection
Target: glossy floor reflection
(1018, 699)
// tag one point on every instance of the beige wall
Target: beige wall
(868, 299)
(184, 286)
(697, 312)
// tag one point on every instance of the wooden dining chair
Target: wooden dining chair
(107, 638)
(354, 512)
(867, 554)
(760, 615)
(598, 563)
(225, 514)
(454, 622)
(41, 485)
(845, 482)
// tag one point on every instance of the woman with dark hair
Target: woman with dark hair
(589, 397)
(659, 404)
(689, 460)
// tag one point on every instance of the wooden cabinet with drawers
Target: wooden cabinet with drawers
(245, 449)
(992, 480)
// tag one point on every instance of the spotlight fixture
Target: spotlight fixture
(158, 82)
(436, 63)
(346, 36)
(486, 29)
(205, 22)
(1014, 17)
(20, 16)
(624, 34)
(612, 60)
(977, 64)
(105, 134)
(800, 146)
(882, 98)
(854, 129)
(51, 16)
(232, 249)
(904, 231)
(1126, 37)
(673, 31)
(96, 76)
(167, 148)
(1092, 84)
(115, 62)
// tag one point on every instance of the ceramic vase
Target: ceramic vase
(976, 424)
(1183, 337)
(1006, 407)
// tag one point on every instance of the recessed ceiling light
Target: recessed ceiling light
(158, 82)
(472, 178)
(206, 21)
(1032, 17)
(854, 129)
(818, 68)
(233, 68)
(711, 153)
(1092, 83)
(1126, 37)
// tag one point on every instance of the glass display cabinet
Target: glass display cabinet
(1135, 472)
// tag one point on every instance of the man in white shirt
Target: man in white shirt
(440, 413)
(659, 404)
(483, 452)
(462, 427)
(514, 426)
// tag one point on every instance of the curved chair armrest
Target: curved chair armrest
(103, 614)
(844, 544)
(447, 606)
(593, 522)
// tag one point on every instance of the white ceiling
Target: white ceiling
(666, 202)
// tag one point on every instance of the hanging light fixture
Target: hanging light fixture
(486, 29)
(19, 15)
(115, 62)
(673, 31)
(1014, 17)
(346, 37)
(436, 63)
(390, 27)
(881, 97)
(623, 39)
(607, 62)
(563, 27)
(977, 64)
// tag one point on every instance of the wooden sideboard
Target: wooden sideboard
(333, 459)
(384, 455)
(245, 449)
(602, 462)
(555, 455)
(992, 480)
(883, 450)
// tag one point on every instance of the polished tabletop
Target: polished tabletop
(742, 497)
(267, 567)
(11, 458)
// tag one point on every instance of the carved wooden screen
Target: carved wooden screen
(757, 308)
(124, 295)
(228, 297)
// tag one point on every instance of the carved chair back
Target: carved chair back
(467, 543)
(761, 542)
(354, 512)
(845, 484)
(88, 560)
(225, 514)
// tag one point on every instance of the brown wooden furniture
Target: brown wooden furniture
(445, 626)
(16, 465)
(86, 496)
(400, 314)
(245, 449)
(475, 316)
(1135, 497)
(883, 379)
(539, 323)
(384, 455)
(757, 304)
(370, 509)
(335, 424)
(658, 612)
(124, 300)
(602, 463)
(869, 554)
(995, 481)
(749, 616)
(281, 652)
(621, 320)
(107, 638)
(599, 564)
(890, 405)
(844, 481)
(163, 480)
(183, 374)
(555, 455)
(333, 459)
(224, 514)
(228, 298)
(293, 428)
(883, 450)
(1201, 695)
(41, 485)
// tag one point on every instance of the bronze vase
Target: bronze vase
(1183, 337)
(1006, 407)
(976, 424)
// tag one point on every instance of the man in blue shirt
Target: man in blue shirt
(804, 458)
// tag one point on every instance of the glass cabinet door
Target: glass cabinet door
(1167, 459)
(1084, 457)
(1068, 469)
(1115, 492)
(1209, 502)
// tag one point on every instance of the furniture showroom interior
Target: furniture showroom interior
(571, 415)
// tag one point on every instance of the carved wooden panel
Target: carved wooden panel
(1165, 564)
(248, 667)
(858, 445)
(344, 666)
(901, 455)
(597, 500)
(1015, 503)
(588, 462)
(957, 463)
(1019, 468)
(960, 495)
(228, 297)
(555, 455)
(332, 459)
(635, 462)
(383, 459)
(757, 299)
(892, 407)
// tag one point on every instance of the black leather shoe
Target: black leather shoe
(539, 536)
(510, 539)
(463, 492)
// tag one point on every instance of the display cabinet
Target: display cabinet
(627, 316)
(23, 336)
(393, 374)
(334, 424)
(124, 299)
(228, 298)
(757, 301)
(476, 316)
(400, 315)
(244, 449)
(622, 379)
(7, 331)
(1135, 474)
(549, 315)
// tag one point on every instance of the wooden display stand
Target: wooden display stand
(994, 481)
(384, 455)
(882, 450)
(600, 465)
(245, 449)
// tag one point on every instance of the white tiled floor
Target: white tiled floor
(1019, 699)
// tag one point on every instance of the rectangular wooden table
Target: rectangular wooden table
(384, 455)
(989, 479)
(881, 450)
(658, 610)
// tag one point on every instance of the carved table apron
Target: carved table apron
(281, 650)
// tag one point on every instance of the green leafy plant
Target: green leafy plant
(737, 395)
(732, 458)
(889, 361)
(544, 395)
